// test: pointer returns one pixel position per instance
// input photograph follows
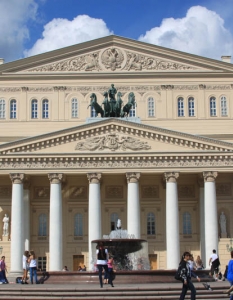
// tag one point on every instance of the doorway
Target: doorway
(78, 260)
(153, 261)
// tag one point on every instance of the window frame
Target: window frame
(2, 108)
(213, 110)
(42, 225)
(74, 110)
(151, 107)
(34, 109)
(45, 109)
(150, 223)
(78, 225)
(224, 107)
(191, 110)
(13, 110)
(180, 108)
(187, 223)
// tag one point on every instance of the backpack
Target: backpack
(178, 274)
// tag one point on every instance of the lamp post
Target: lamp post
(230, 247)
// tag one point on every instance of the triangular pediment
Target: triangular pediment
(114, 54)
(118, 136)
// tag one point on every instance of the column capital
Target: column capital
(17, 178)
(171, 176)
(210, 176)
(55, 177)
(94, 177)
(132, 177)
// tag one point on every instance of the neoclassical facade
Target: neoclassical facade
(67, 175)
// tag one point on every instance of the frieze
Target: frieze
(40, 89)
(223, 189)
(10, 89)
(120, 162)
(78, 192)
(112, 142)
(186, 191)
(185, 87)
(218, 87)
(41, 192)
(114, 192)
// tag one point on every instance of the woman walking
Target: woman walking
(33, 266)
(25, 267)
(102, 258)
(186, 275)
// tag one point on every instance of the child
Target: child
(110, 270)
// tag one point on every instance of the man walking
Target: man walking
(214, 263)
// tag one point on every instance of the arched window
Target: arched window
(150, 223)
(2, 109)
(187, 226)
(74, 108)
(78, 225)
(132, 112)
(114, 218)
(93, 112)
(213, 111)
(13, 108)
(34, 109)
(45, 109)
(42, 225)
(223, 106)
(191, 107)
(180, 107)
(151, 107)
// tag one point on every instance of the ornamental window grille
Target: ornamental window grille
(42, 225)
(180, 107)
(223, 106)
(114, 218)
(213, 111)
(74, 108)
(191, 107)
(45, 109)
(13, 109)
(78, 225)
(150, 223)
(34, 109)
(187, 225)
(2, 109)
(151, 107)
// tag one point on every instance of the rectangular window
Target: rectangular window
(191, 107)
(42, 263)
(180, 107)
(213, 111)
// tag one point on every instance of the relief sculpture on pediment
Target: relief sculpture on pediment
(112, 142)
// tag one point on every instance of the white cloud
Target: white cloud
(14, 14)
(200, 32)
(60, 33)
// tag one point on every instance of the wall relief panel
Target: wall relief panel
(41, 192)
(150, 191)
(223, 189)
(114, 192)
(186, 191)
(78, 192)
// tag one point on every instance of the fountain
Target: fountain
(128, 252)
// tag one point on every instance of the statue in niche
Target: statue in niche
(5, 225)
(223, 223)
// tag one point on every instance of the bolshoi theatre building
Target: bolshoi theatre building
(69, 172)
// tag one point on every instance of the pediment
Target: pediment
(114, 54)
(114, 137)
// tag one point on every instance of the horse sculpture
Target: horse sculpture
(96, 106)
(106, 104)
(118, 104)
(128, 106)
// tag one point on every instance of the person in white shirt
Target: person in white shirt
(102, 259)
(214, 263)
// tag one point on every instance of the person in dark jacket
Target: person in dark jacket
(186, 274)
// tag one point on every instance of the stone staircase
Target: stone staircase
(82, 291)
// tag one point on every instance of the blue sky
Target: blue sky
(30, 27)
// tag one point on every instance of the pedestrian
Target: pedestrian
(186, 274)
(230, 276)
(33, 266)
(110, 270)
(25, 267)
(192, 263)
(65, 268)
(214, 263)
(199, 263)
(3, 269)
(102, 258)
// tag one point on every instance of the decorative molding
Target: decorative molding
(218, 87)
(41, 192)
(17, 178)
(210, 176)
(10, 89)
(150, 191)
(223, 189)
(41, 89)
(59, 88)
(78, 192)
(186, 191)
(167, 87)
(55, 177)
(132, 177)
(94, 177)
(171, 176)
(112, 142)
(24, 88)
(5, 191)
(114, 192)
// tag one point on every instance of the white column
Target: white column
(94, 215)
(202, 219)
(172, 221)
(210, 209)
(133, 205)
(17, 228)
(55, 223)
(26, 214)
